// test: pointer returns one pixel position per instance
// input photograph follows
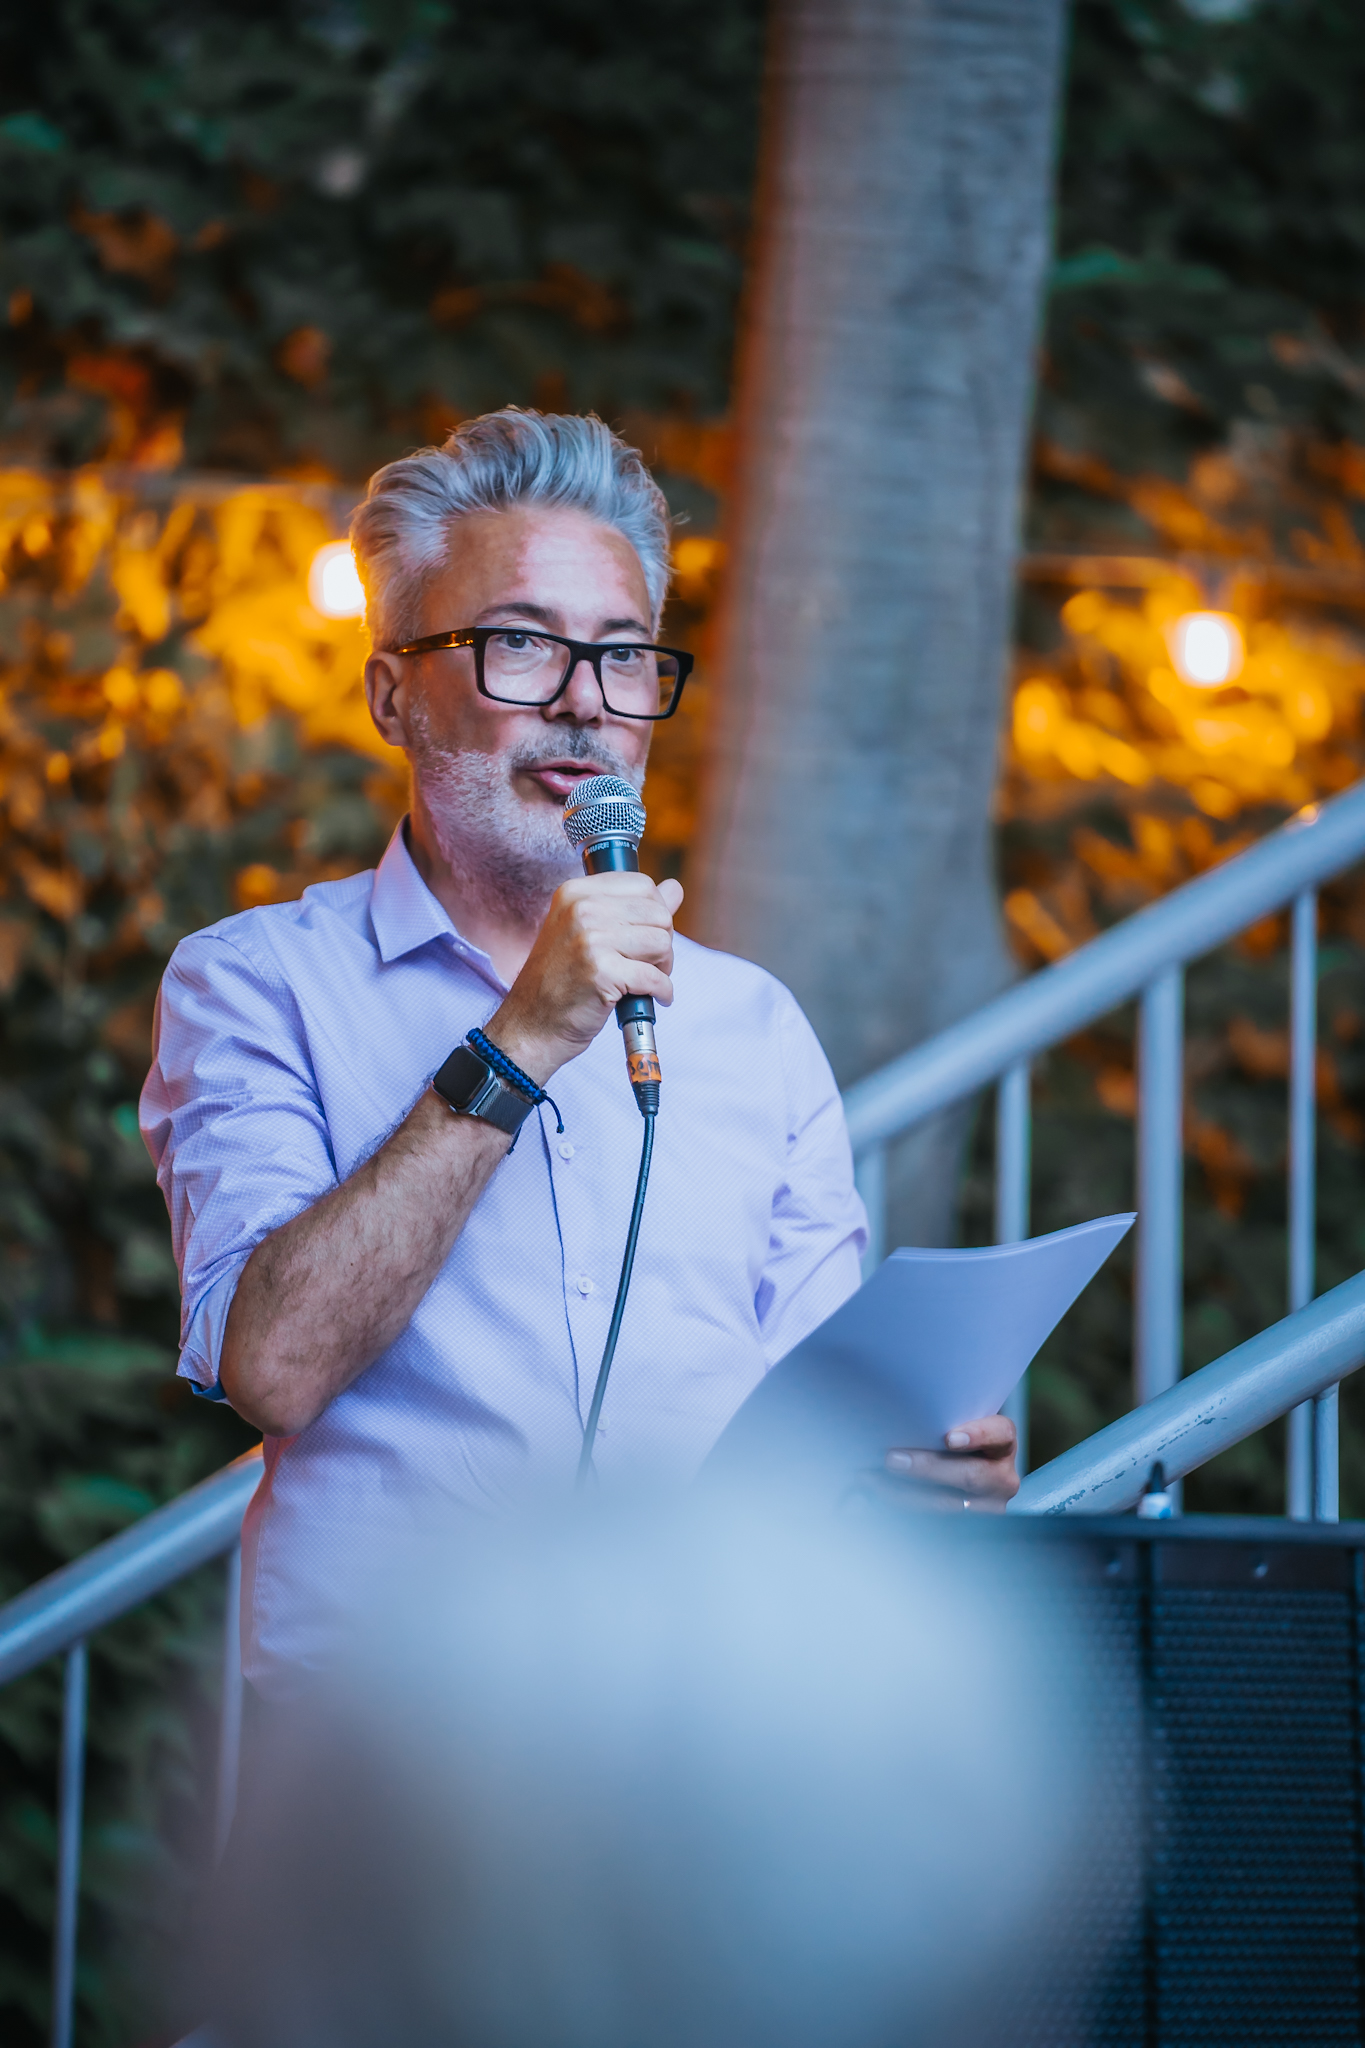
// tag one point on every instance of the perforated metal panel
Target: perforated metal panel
(1245, 1749)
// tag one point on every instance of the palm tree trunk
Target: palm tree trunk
(884, 394)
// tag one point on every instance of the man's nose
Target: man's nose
(582, 699)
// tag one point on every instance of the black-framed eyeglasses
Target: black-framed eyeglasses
(513, 665)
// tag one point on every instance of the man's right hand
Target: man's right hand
(606, 936)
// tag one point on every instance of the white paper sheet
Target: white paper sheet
(934, 1338)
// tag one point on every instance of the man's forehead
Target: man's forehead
(541, 538)
(539, 560)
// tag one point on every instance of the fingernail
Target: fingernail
(957, 1439)
(900, 1461)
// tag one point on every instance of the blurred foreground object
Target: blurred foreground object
(631, 1781)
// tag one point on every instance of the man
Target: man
(408, 1306)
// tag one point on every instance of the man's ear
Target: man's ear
(386, 693)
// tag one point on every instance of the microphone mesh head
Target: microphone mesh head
(604, 807)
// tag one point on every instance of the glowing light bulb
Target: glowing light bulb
(334, 587)
(1207, 649)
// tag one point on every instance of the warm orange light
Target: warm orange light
(1207, 649)
(334, 587)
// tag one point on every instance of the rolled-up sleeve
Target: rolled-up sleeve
(819, 1225)
(231, 1116)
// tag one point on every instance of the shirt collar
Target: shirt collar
(406, 915)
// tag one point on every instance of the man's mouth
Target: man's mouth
(559, 778)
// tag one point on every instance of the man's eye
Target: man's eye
(623, 655)
(514, 642)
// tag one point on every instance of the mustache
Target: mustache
(576, 743)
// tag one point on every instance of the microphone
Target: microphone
(605, 820)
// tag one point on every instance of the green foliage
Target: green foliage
(121, 833)
(259, 239)
(1209, 289)
(316, 233)
(94, 1431)
(1237, 1005)
(1203, 397)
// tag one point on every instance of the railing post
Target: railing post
(1326, 1458)
(1301, 1486)
(70, 1800)
(1161, 1174)
(869, 1176)
(1013, 1144)
(230, 1714)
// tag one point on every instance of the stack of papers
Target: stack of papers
(934, 1339)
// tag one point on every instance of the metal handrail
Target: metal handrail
(58, 1616)
(1208, 1412)
(70, 1604)
(1110, 970)
(1144, 957)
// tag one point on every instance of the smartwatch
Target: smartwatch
(472, 1088)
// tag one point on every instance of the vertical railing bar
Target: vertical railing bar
(70, 1800)
(1013, 1146)
(1326, 1458)
(230, 1714)
(869, 1175)
(1299, 1463)
(1160, 1176)
(1301, 1487)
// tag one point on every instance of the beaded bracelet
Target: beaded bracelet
(508, 1071)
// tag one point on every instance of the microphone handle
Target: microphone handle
(634, 1014)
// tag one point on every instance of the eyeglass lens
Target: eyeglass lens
(522, 668)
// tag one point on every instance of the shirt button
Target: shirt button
(583, 1284)
(565, 1149)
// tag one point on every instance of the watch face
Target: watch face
(471, 1087)
(464, 1079)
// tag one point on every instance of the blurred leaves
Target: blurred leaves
(176, 723)
(288, 242)
(94, 1431)
(269, 236)
(1200, 426)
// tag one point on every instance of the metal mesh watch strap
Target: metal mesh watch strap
(472, 1088)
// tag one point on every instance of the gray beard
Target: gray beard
(509, 856)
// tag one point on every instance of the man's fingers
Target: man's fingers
(623, 885)
(975, 1477)
(988, 1434)
(634, 978)
(977, 1462)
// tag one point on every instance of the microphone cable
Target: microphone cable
(604, 821)
(585, 1464)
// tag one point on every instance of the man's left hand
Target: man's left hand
(975, 1469)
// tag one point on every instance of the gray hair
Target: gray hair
(401, 531)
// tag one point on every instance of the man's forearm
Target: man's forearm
(323, 1296)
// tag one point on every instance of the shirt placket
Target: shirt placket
(587, 1285)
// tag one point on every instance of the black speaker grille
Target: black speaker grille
(1230, 1912)
(1255, 1797)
